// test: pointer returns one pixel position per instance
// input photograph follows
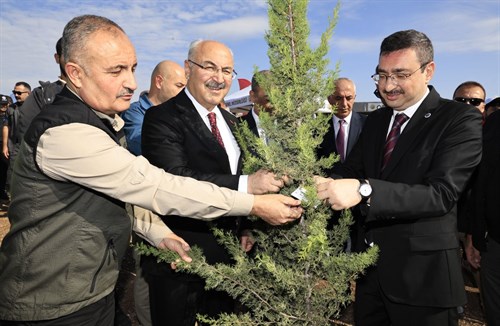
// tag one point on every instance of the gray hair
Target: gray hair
(77, 32)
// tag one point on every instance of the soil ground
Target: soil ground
(472, 316)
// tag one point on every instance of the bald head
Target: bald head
(167, 80)
(343, 97)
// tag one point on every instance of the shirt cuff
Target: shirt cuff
(243, 184)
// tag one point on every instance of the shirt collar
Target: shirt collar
(202, 111)
(346, 119)
(116, 121)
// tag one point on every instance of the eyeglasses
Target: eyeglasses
(213, 70)
(19, 92)
(396, 78)
(341, 98)
(473, 100)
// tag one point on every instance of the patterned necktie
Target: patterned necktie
(215, 130)
(393, 136)
(339, 141)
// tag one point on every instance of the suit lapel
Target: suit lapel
(192, 119)
(412, 130)
(354, 131)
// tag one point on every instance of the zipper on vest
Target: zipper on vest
(110, 248)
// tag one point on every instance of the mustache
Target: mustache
(394, 92)
(215, 85)
(126, 91)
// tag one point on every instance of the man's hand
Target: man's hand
(339, 194)
(473, 255)
(5, 152)
(177, 244)
(276, 209)
(247, 241)
(263, 182)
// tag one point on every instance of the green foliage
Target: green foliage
(299, 274)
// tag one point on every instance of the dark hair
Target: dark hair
(25, 84)
(59, 47)
(470, 83)
(409, 39)
(255, 83)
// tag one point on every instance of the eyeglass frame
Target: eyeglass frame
(215, 69)
(394, 76)
(19, 92)
(469, 100)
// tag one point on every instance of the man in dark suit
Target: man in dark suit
(182, 137)
(407, 172)
(260, 102)
(342, 99)
(483, 245)
(344, 130)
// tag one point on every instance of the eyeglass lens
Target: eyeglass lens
(472, 101)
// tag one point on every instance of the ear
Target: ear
(75, 73)
(187, 69)
(429, 71)
(158, 81)
(330, 99)
(252, 96)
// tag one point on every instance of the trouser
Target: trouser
(373, 308)
(175, 299)
(490, 282)
(101, 313)
(141, 294)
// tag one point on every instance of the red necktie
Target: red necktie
(339, 140)
(393, 136)
(215, 130)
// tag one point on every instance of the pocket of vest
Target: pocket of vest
(109, 256)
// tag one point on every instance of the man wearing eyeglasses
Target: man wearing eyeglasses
(471, 92)
(190, 136)
(9, 132)
(407, 171)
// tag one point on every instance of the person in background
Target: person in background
(21, 92)
(41, 96)
(167, 80)
(4, 163)
(482, 245)
(345, 122)
(59, 263)
(343, 133)
(492, 105)
(191, 136)
(407, 171)
(471, 92)
(260, 102)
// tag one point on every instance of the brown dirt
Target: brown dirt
(473, 315)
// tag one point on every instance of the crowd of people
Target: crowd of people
(86, 171)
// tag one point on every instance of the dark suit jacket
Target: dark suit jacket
(252, 125)
(485, 192)
(328, 146)
(175, 138)
(412, 214)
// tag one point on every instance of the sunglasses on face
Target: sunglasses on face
(472, 101)
(19, 92)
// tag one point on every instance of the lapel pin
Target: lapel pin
(427, 115)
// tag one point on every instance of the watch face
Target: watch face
(365, 190)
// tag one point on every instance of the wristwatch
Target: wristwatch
(365, 190)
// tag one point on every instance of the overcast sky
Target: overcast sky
(465, 34)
